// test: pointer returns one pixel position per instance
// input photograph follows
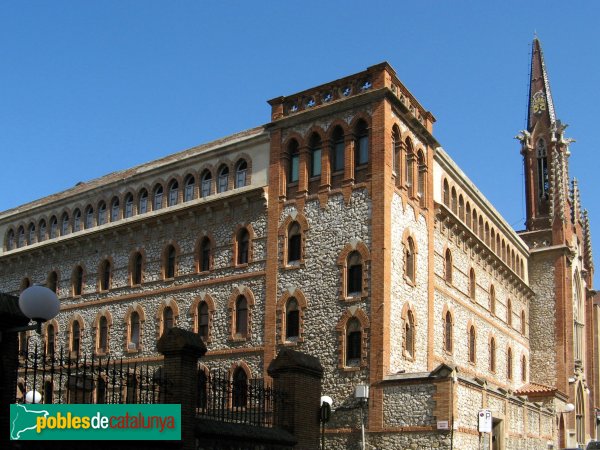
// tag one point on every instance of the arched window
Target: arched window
(493, 240)
(339, 149)
(468, 215)
(480, 228)
(102, 217)
(76, 222)
(241, 317)
(487, 234)
(410, 260)
(578, 318)
(105, 275)
(168, 320)
(509, 364)
(42, 231)
(114, 209)
(173, 193)
(203, 320)
(448, 266)
(129, 205)
(239, 394)
(136, 269)
(523, 323)
(396, 151)
(241, 170)
(446, 193)
(509, 313)
(77, 280)
(409, 166)
(524, 369)
(472, 345)
(361, 144)
(580, 416)
(53, 227)
(472, 284)
(294, 167)
(205, 254)
(294, 243)
(75, 337)
(10, 240)
(103, 335)
(315, 155)
(52, 281)
(50, 340)
(353, 342)
(206, 181)
(492, 299)
(223, 179)
(31, 234)
(134, 331)
(190, 183)
(143, 202)
(158, 197)
(292, 320)
(243, 246)
(492, 355)
(542, 169)
(354, 275)
(170, 257)
(64, 224)
(409, 335)
(448, 340)
(461, 208)
(454, 201)
(89, 217)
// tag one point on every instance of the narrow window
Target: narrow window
(409, 258)
(239, 389)
(173, 193)
(509, 313)
(170, 257)
(136, 275)
(292, 320)
(353, 342)
(294, 242)
(114, 210)
(509, 364)
(103, 335)
(409, 335)
(102, 213)
(52, 282)
(396, 150)
(168, 320)
(422, 168)
(315, 156)
(339, 149)
(31, 234)
(294, 154)
(472, 344)
(243, 246)
(143, 203)
(448, 332)
(446, 193)
(10, 240)
(50, 340)
(580, 416)
(448, 266)
(524, 369)
(75, 337)
(134, 330)
(468, 215)
(241, 317)
(190, 183)
(206, 183)
(240, 173)
(472, 285)
(158, 196)
(492, 355)
(409, 167)
(354, 275)
(53, 227)
(64, 224)
(542, 167)
(105, 276)
(205, 246)
(461, 208)
(203, 320)
(492, 299)
(523, 323)
(223, 179)
(76, 221)
(78, 281)
(361, 143)
(129, 205)
(454, 201)
(89, 217)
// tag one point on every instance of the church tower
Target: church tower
(563, 350)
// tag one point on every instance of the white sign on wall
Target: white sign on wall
(485, 421)
(443, 425)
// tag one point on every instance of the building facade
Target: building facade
(344, 230)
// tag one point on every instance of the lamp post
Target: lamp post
(361, 393)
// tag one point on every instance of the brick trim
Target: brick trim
(237, 292)
(363, 319)
(193, 312)
(281, 315)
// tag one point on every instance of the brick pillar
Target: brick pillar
(181, 349)
(299, 376)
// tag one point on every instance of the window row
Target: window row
(482, 228)
(160, 196)
(473, 289)
(409, 166)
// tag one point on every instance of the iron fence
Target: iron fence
(67, 378)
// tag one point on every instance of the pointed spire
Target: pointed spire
(541, 106)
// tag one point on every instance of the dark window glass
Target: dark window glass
(137, 269)
(129, 205)
(240, 174)
(292, 319)
(243, 246)
(362, 144)
(205, 255)
(76, 337)
(472, 344)
(241, 316)
(239, 388)
(143, 206)
(294, 242)
(203, 320)
(492, 355)
(103, 335)
(134, 330)
(223, 180)
(448, 332)
(158, 195)
(338, 153)
(105, 276)
(315, 156)
(50, 340)
(53, 281)
(76, 222)
(353, 340)
(173, 193)
(78, 281)
(170, 263)
(409, 335)
(354, 274)
(114, 210)
(294, 162)
(188, 195)
(102, 214)
(168, 321)
(206, 182)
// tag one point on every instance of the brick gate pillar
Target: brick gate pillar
(299, 376)
(181, 349)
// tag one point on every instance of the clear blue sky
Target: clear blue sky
(90, 87)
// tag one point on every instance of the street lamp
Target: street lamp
(39, 304)
(361, 393)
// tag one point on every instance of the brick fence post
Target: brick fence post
(181, 349)
(299, 376)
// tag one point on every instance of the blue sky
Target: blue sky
(87, 88)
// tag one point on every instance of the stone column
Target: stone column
(182, 349)
(299, 376)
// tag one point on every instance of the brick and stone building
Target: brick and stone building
(341, 229)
